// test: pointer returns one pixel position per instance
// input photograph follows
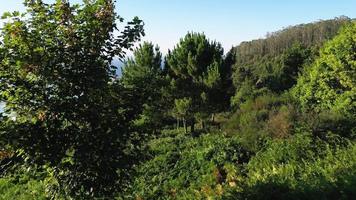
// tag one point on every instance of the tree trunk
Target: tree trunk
(203, 124)
(192, 127)
(185, 126)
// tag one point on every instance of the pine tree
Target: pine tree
(143, 76)
(195, 68)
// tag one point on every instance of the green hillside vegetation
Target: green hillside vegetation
(273, 118)
(273, 63)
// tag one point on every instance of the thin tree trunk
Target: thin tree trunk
(192, 127)
(185, 126)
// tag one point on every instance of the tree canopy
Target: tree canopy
(196, 71)
(330, 83)
(56, 79)
(143, 76)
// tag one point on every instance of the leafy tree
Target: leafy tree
(195, 70)
(330, 83)
(57, 78)
(143, 76)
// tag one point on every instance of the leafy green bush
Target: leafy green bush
(216, 166)
(186, 167)
(302, 167)
(22, 190)
(329, 84)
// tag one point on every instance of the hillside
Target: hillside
(273, 63)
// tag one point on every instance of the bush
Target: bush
(186, 167)
(267, 116)
(22, 186)
(22, 190)
(280, 122)
(320, 123)
(302, 167)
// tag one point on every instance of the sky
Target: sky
(227, 21)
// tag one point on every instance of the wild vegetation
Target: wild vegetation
(273, 118)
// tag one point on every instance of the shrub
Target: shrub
(20, 182)
(280, 122)
(267, 116)
(23, 190)
(320, 123)
(186, 167)
(302, 167)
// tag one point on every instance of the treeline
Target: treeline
(275, 43)
(274, 118)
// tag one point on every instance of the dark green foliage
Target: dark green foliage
(227, 85)
(196, 71)
(56, 79)
(143, 77)
(321, 123)
(292, 63)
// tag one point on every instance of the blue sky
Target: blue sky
(227, 21)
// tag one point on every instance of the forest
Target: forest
(272, 118)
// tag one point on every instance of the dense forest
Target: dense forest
(273, 118)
